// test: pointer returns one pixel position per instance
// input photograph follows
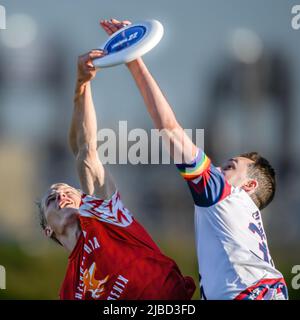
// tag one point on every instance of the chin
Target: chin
(70, 215)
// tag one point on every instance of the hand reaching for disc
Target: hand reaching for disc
(111, 26)
(86, 71)
(129, 46)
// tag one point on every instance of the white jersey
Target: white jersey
(232, 250)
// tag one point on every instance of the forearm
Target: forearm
(83, 131)
(161, 112)
(156, 103)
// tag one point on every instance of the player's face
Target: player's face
(235, 171)
(61, 208)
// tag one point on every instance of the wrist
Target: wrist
(80, 88)
(135, 64)
(81, 82)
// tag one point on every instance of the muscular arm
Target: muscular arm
(212, 186)
(206, 182)
(161, 112)
(94, 179)
(181, 146)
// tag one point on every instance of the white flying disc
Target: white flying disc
(130, 43)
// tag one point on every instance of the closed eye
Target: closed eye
(49, 199)
(229, 166)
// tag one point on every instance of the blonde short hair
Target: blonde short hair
(41, 205)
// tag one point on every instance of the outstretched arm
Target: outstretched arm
(162, 115)
(181, 146)
(206, 182)
(94, 179)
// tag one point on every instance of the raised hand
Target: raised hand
(113, 25)
(86, 71)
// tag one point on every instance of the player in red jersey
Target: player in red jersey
(111, 257)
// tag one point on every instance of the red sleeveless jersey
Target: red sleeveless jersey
(116, 259)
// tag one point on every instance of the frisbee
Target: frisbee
(130, 43)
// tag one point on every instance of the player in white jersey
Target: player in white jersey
(232, 248)
(233, 256)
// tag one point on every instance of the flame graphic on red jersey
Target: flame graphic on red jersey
(92, 285)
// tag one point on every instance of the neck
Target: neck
(70, 237)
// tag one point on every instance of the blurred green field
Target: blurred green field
(32, 276)
(39, 275)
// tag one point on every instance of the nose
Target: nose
(61, 196)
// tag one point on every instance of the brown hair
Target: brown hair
(263, 172)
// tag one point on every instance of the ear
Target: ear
(250, 185)
(48, 232)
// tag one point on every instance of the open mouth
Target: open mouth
(65, 204)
